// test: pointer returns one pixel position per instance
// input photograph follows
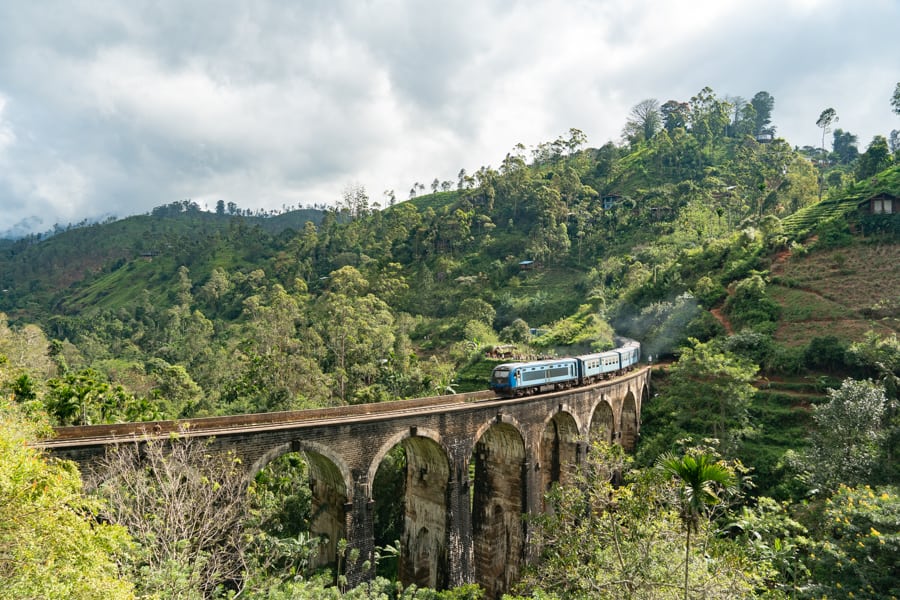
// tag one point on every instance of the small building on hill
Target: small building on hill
(610, 200)
(881, 204)
(660, 213)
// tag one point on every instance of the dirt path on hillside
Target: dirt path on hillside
(721, 318)
(782, 257)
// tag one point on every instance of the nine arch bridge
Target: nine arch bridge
(461, 525)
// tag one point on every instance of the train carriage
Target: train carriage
(519, 379)
(630, 355)
(522, 378)
(594, 367)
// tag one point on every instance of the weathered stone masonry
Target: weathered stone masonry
(458, 529)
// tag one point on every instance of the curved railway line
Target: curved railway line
(91, 435)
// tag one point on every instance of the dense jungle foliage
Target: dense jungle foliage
(751, 271)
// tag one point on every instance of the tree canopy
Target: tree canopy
(51, 545)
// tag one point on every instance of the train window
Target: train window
(534, 375)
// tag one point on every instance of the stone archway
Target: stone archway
(629, 423)
(603, 423)
(328, 478)
(558, 451)
(424, 558)
(498, 529)
(329, 498)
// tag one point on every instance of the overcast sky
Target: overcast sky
(115, 107)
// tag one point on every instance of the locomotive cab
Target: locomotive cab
(503, 379)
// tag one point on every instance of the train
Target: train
(515, 379)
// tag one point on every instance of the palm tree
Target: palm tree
(703, 479)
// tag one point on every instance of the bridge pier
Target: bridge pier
(359, 559)
(533, 504)
(459, 525)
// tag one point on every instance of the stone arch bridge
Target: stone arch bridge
(475, 465)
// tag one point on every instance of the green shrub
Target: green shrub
(826, 353)
(756, 346)
(784, 360)
(708, 292)
(750, 306)
(833, 233)
(703, 327)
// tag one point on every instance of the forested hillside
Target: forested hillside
(753, 270)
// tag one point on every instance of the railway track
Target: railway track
(91, 435)
(98, 435)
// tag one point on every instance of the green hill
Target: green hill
(683, 235)
(80, 267)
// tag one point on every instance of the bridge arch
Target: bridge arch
(306, 447)
(332, 492)
(498, 529)
(603, 422)
(500, 418)
(628, 425)
(563, 407)
(557, 455)
(398, 438)
(424, 541)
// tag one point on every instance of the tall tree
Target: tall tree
(845, 443)
(875, 159)
(763, 104)
(895, 99)
(711, 391)
(355, 200)
(824, 122)
(738, 105)
(355, 328)
(275, 365)
(675, 115)
(643, 122)
(703, 480)
(844, 146)
(709, 117)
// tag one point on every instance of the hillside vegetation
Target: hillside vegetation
(686, 231)
(750, 271)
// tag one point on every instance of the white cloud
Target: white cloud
(7, 136)
(274, 103)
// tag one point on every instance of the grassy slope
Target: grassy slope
(843, 292)
(803, 221)
(65, 263)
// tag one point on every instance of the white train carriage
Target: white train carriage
(601, 365)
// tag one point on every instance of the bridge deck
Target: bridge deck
(206, 426)
(92, 435)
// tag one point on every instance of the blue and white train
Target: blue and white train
(526, 378)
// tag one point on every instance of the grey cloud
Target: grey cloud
(119, 107)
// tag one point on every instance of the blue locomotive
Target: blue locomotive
(525, 378)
